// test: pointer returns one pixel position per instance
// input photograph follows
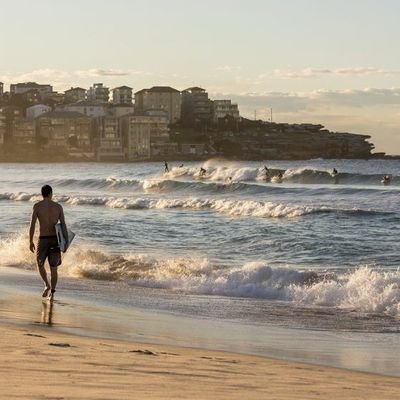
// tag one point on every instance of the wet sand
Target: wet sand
(46, 354)
(38, 363)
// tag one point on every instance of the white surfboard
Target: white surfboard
(60, 237)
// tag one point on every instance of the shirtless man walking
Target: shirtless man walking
(49, 213)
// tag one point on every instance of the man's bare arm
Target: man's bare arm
(32, 229)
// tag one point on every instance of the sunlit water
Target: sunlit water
(314, 252)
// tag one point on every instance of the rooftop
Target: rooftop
(194, 89)
(76, 88)
(29, 84)
(122, 87)
(159, 89)
(62, 114)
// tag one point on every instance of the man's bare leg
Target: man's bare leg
(43, 275)
(54, 278)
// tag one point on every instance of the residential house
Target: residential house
(122, 95)
(160, 97)
(74, 95)
(98, 93)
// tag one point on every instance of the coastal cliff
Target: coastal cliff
(257, 140)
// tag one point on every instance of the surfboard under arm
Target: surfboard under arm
(60, 237)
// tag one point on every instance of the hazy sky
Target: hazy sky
(333, 62)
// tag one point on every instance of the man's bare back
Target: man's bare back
(48, 213)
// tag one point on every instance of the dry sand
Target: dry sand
(38, 363)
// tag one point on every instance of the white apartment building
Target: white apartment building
(98, 93)
(37, 110)
(223, 108)
(160, 98)
(122, 95)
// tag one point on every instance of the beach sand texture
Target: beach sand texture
(40, 364)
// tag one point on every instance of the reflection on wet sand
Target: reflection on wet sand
(47, 313)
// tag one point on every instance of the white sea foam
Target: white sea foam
(365, 289)
(234, 208)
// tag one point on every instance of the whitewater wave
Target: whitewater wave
(233, 208)
(303, 175)
(365, 289)
(179, 176)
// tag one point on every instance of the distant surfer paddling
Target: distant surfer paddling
(48, 212)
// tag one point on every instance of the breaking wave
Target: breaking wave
(234, 208)
(365, 289)
(228, 178)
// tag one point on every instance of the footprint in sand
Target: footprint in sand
(145, 352)
(60, 344)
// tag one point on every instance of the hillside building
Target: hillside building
(109, 139)
(160, 97)
(122, 95)
(74, 95)
(64, 130)
(136, 132)
(98, 93)
(22, 88)
(24, 133)
(224, 108)
(196, 107)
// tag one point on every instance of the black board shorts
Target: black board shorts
(48, 247)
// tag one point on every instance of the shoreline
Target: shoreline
(93, 368)
(86, 308)
(45, 342)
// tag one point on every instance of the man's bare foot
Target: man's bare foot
(45, 291)
(51, 295)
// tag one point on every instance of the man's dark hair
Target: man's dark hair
(46, 190)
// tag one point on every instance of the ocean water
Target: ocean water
(312, 253)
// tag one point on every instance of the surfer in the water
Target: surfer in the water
(267, 174)
(48, 213)
(166, 169)
(202, 171)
